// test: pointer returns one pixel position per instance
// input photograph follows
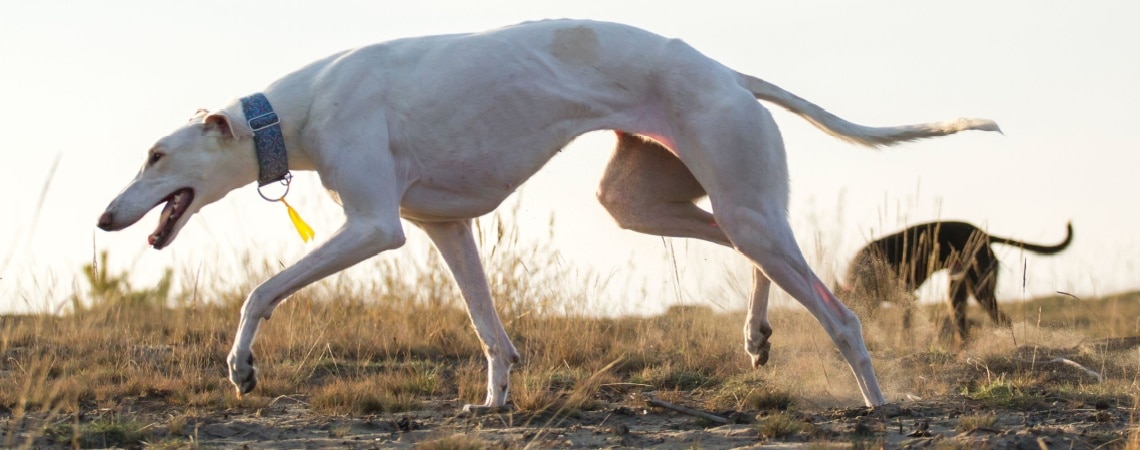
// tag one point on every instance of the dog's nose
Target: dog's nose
(105, 221)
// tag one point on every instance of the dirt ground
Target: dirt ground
(287, 423)
(1073, 393)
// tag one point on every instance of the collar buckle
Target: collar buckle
(263, 121)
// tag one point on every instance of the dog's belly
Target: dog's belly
(439, 205)
(474, 182)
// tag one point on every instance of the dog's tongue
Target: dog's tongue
(162, 225)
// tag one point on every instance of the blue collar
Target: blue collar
(268, 140)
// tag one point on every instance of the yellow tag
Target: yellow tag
(303, 228)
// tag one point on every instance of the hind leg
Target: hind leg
(735, 150)
(757, 329)
(765, 237)
(647, 189)
(984, 287)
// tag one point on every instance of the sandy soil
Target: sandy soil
(287, 423)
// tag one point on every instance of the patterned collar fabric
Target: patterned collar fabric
(272, 161)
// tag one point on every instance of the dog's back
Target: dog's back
(910, 256)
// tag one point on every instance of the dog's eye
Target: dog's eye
(154, 157)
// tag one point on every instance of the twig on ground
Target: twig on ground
(654, 401)
(286, 397)
(625, 384)
(1071, 363)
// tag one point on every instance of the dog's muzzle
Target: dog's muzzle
(105, 222)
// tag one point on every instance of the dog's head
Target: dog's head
(194, 166)
(871, 279)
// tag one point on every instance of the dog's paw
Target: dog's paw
(756, 343)
(759, 354)
(478, 410)
(243, 374)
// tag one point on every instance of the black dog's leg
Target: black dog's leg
(984, 288)
(959, 294)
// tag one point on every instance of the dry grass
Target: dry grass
(977, 422)
(388, 345)
(781, 425)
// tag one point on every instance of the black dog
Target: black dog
(900, 263)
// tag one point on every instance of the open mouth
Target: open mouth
(176, 205)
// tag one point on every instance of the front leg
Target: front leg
(456, 243)
(356, 241)
(370, 191)
(959, 294)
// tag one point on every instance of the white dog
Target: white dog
(440, 129)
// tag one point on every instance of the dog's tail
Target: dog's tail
(855, 133)
(1043, 249)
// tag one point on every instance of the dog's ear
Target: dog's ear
(200, 113)
(219, 122)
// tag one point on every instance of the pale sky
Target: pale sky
(94, 84)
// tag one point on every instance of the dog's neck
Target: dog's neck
(268, 139)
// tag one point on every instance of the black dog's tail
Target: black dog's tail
(1043, 249)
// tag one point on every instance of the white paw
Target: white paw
(476, 410)
(243, 374)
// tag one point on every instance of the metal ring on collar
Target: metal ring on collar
(286, 181)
